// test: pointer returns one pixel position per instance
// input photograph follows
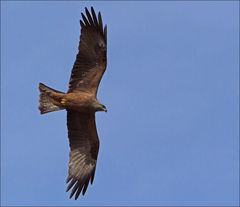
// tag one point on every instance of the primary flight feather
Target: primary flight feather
(81, 102)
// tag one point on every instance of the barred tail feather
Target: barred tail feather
(46, 102)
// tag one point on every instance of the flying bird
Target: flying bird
(80, 102)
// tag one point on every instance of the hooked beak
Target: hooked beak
(105, 110)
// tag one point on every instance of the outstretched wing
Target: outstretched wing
(84, 145)
(91, 59)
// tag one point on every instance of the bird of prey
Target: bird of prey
(81, 102)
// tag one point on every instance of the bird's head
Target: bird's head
(103, 108)
(100, 107)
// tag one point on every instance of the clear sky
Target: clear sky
(171, 134)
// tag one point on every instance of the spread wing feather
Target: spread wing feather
(91, 60)
(84, 145)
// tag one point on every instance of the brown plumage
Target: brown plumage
(81, 102)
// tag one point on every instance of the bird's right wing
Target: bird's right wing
(91, 59)
(84, 145)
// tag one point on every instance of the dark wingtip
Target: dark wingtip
(90, 19)
(85, 187)
(95, 21)
(82, 24)
(71, 185)
(93, 174)
(77, 194)
(105, 33)
(86, 22)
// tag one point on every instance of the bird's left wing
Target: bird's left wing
(84, 145)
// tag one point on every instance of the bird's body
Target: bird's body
(81, 102)
(78, 101)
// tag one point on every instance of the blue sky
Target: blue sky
(171, 134)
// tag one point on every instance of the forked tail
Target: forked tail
(49, 99)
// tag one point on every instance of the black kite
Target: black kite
(81, 102)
